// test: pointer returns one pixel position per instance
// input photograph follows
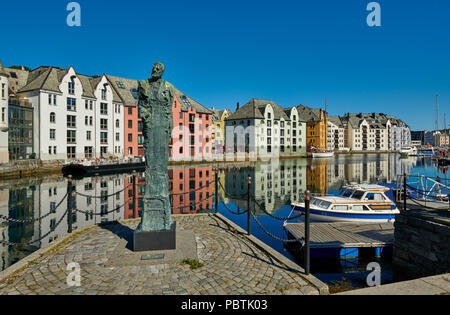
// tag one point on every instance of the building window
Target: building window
(130, 111)
(103, 108)
(140, 126)
(52, 118)
(130, 151)
(71, 136)
(71, 104)
(71, 152)
(104, 138)
(117, 123)
(104, 124)
(52, 134)
(3, 90)
(117, 136)
(88, 152)
(71, 121)
(130, 137)
(90, 121)
(140, 139)
(3, 114)
(89, 135)
(72, 86)
(104, 94)
(130, 124)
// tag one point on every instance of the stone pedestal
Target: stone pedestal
(155, 240)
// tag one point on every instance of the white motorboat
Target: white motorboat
(355, 203)
(408, 151)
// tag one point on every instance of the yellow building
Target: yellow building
(316, 126)
(218, 132)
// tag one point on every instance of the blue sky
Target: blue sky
(223, 52)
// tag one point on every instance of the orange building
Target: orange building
(316, 126)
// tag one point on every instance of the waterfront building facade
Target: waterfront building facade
(73, 115)
(133, 139)
(316, 126)
(78, 117)
(192, 133)
(264, 128)
(366, 132)
(218, 132)
(400, 133)
(336, 134)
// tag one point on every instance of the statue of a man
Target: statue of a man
(155, 107)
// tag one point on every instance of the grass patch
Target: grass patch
(195, 264)
(341, 286)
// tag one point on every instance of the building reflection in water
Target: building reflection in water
(274, 185)
(34, 199)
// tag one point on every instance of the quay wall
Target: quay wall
(421, 245)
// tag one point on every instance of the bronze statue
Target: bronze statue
(156, 97)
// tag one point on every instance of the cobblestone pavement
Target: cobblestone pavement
(232, 266)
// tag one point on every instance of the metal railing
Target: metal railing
(424, 192)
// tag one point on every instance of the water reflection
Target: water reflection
(275, 185)
(38, 197)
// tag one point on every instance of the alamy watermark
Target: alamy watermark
(374, 17)
(74, 17)
(74, 277)
(374, 277)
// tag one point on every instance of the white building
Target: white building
(336, 133)
(4, 98)
(264, 128)
(74, 115)
(367, 132)
(400, 134)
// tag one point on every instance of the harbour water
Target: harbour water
(275, 185)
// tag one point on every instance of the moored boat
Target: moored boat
(320, 153)
(103, 167)
(408, 151)
(355, 203)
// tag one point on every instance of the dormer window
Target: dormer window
(104, 90)
(72, 86)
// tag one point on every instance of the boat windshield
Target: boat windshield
(345, 193)
(321, 204)
(357, 195)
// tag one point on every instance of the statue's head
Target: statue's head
(158, 70)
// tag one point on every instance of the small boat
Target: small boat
(320, 153)
(355, 203)
(103, 167)
(408, 151)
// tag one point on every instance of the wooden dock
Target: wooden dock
(345, 235)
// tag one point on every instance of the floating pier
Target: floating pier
(345, 240)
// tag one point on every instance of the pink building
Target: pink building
(192, 129)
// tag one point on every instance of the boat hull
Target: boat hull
(78, 170)
(322, 155)
(348, 216)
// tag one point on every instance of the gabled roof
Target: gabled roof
(336, 120)
(186, 102)
(125, 88)
(255, 109)
(309, 114)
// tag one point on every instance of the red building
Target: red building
(192, 133)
